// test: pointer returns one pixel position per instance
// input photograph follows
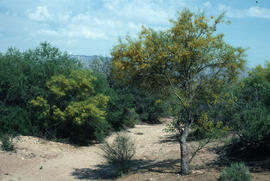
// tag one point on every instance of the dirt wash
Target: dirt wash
(37, 159)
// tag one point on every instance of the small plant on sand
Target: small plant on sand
(119, 153)
(7, 144)
(236, 172)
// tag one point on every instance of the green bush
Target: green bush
(250, 115)
(7, 144)
(236, 172)
(150, 106)
(117, 110)
(131, 117)
(40, 96)
(119, 153)
(205, 128)
(73, 109)
(23, 77)
(127, 98)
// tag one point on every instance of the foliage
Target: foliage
(206, 128)
(15, 119)
(131, 118)
(73, 109)
(40, 95)
(236, 172)
(23, 77)
(7, 144)
(121, 101)
(125, 99)
(250, 111)
(46, 93)
(150, 106)
(189, 60)
(119, 153)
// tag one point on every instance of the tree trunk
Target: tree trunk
(184, 156)
(184, 153)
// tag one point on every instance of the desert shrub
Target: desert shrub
(23, 77)
(124, 98)
(236, 172)
(15, 119)
(7, 144)
(131, 117)
(150, 106)
(119, 153)
(73, 108)
(205, 127)
(250, 114)
(117, 110)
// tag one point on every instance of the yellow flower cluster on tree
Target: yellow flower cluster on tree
(209, 128)
(42, 105)
(58, 114)
(72, 98)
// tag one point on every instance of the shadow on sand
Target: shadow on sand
(255, 162)
(107, 172)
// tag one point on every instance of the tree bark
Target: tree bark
(184, 152)
(185, 170)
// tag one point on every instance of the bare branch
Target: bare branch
(201, 146)
(175, 93)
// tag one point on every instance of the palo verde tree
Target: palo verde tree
(190, 61)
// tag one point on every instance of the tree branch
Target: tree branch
(201, 146)
(175, 93)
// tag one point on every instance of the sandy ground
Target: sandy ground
(157, 153)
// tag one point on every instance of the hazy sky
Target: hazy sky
(92, 27)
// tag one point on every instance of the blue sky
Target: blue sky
(92, 27)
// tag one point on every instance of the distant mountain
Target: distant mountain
(85, 59)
